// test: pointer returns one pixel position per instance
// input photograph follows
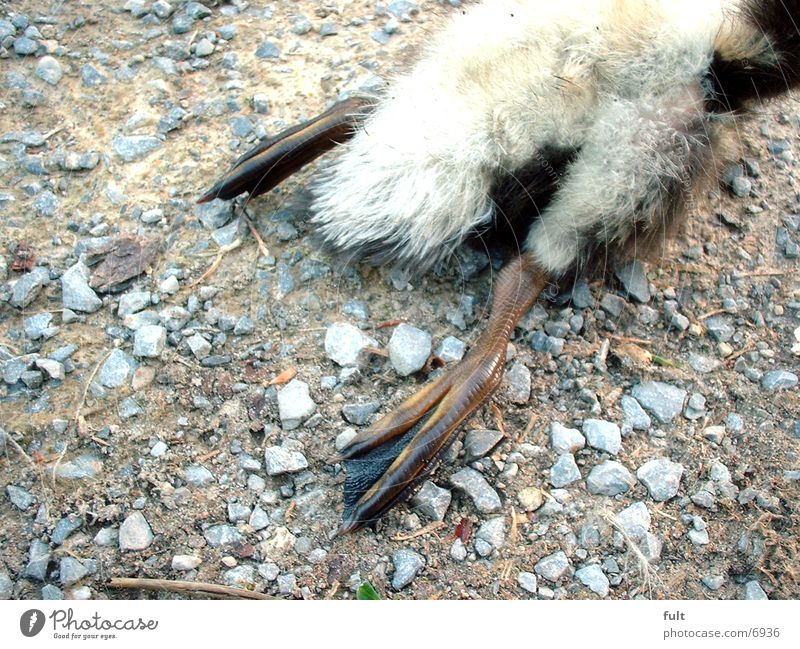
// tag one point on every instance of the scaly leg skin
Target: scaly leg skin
(385, 462)
(276, 158)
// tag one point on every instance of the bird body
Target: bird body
(588, 126)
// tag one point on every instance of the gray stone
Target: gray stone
(564, 472)
(713, 582)
(432, 501)
(199, 346)
(46, 203)
(603, 435)
(76, 294)
(295, 404)
(594, 579)
(53, 369)
(25, 46)
(279, 460)
(493, 533)
(634, 520)
(451, 350)
(259, 519)
(407, 565)
(472, 483)
(528, 582)
(83, 467)
(215, 213)
(634, 281)
(174, 317)
(720, 328)
(91, 76)
(65, 527)
(21, 498)
(71, 570)
(117, 371)
(39, 556)
(695, 407)
(197, 475)
(344, 342)
(565, 440)
(220, 535)
(132, 302)
(27, 287)
(754, 591)
(135, 533)
(409, 348)
(662, 478)
(662, 400)
(268, 50)
(610, 479)
(51, 592)
(134, 147)
(183, 562)
(518, 383)
(779, 380)
(634, 414)
(478, 443)
(360, 414)
(552, 567)
(149, 341)
(244, 326)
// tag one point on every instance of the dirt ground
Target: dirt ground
(729, 249)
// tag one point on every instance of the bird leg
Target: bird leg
(385, 462)
(276, 158)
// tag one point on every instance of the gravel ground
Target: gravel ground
(175, 424)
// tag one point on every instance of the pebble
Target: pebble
(295, 404)
(49, 69)
(432, 501)
(662, 400)
(754, 591)
(51, 592)
(779, 380)
(27, 287)
(552, 567)
(71, 570)
(39, 556)
(117, 371)
(530, 498)
(64, 528)
(214, 214)
(344, 342)
(528, 582)
(279, 460)
(518, 383)
(219, 535)
(634, 520)
(407, 565)
(25, 46)
(267, 50)
(720, 328)
(633, 278)
(83, 467)
(478, 443)
(76, 294)
(713, 582)
(695, 407)
(360, 414)
(174, 318)
(472, 483)
(185, 562)
(603, 435)
(565, 440)
(135, 533)
(197, 475)
(493, 534)
(634, 414)
(458, 551)
(451, 349)
(91, 76)
(132, 302)
(199, 346)
(594, 579)
(409, 348)
(149, 341)
(662, 477)
(21, 498)
(564, 472)
(134, 147)
(610, 479)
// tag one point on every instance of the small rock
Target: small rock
(76, 294)
(149, 341)
(634, 280)
(565, 440)
(135, 533)
(594, 579)
(21, 498)
(609, 479)
(475, 486)
(117, 370)
(662, 400)
(531, 498)
(552, 567)
(493, 533)
(39, 556)
(564, 472)
(295, 404)
(267, 50)
(360, 414)
(754, 591)
(71, 570)
(183, 562)
(134, 147)
(518, 383)
(279, 460)
(432, 501)
(451, 350)
(634, 520)
(779, 380)
(662, 478)
(407, 565)
(344, 342)
(478, 443)
(27, 287)
(634, 414)
(409, 348)
(219, 535)
(49, 69)
(527, 581)
(603, 435)
(197, 475)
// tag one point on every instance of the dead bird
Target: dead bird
(588, 126)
